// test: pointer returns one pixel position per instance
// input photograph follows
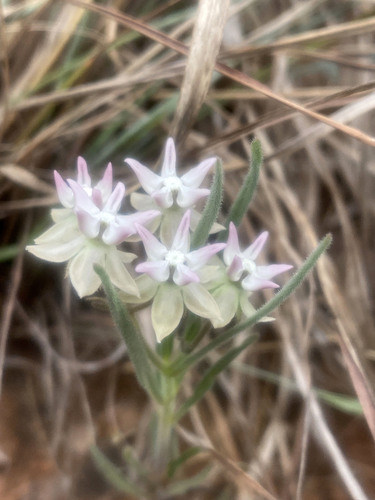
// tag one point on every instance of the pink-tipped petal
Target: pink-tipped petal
(154, 249)
(199, 258)
(96, 196)
(105, 184)
(188, 197)
(114, 201)
(83, 177)
(268, 272)
(64, 192)
(158, 271)
(169, 164)
(235, 269)
(163, 198)
(233, 248)
(181, 240)
(252, 283)
(88, 224)
(147, 178)
(194, 177)
(183, 275)
(82, 199)
(255, 248)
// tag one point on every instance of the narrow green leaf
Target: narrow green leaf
(183, 486)
(135, 345)
(241, 203)
(114, 475)
(210, 376)
(183, 363)
(211, 210)
(175, 464)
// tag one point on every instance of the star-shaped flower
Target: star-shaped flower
(87, 231)
(233, 285)
(173, 279)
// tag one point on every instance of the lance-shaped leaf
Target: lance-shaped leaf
(211, 210)
(241, 203)
(184, 363)
(210, 376)
(132, 337)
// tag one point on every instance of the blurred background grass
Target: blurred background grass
(296, 413)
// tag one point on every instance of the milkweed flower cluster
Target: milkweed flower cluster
(213, 282)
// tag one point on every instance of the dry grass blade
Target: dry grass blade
(23, 177)
(359, 378)
(233, 74)
(205, 45)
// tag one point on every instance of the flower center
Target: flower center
(172, 183)
(107, 217)
(175, 257)
(249, 265)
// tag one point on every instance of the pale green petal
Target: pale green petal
(81, 271)
(147, 288)
(170, 221)
(196, 217)
(57, 252)
(62, 232)
(118, 273)
(227, 298)
(248, 309)
(142, 202)
(126, 257)
(200, 302)
(59, 214)
(212, 276)
(167, 310)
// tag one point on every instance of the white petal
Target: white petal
(167, 310)
(105, 185)
(114, 201)
(157, 270)
(254, 250)
(200, 302)
(181, 240)
(88, 223)
(198, 258)
(233, 247)
(268, 272)
(183, 275)
(169, 164)
(154, 249)
(251, 283)
(188, 197)
(64, 192)
(83, 177)
(194, 177)
(147, 178)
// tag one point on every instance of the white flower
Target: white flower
(173, 278)
(87, 231)
(233, 285)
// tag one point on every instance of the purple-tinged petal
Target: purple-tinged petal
(255, 248)
(252, 283)
(82, 199)
(181, 240)
(105, 184)
(88, 223)
(83, 177)
(268, 272)
(154, 249)
(194, 177)
(188, 197)
(169, 164)
(184, 275)
(96, 196)
(235, 269)
(198, 258)
(157, 270)
(114, 201)
(147, 178)
(233, 248)
(64, 192)
(163, 197)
